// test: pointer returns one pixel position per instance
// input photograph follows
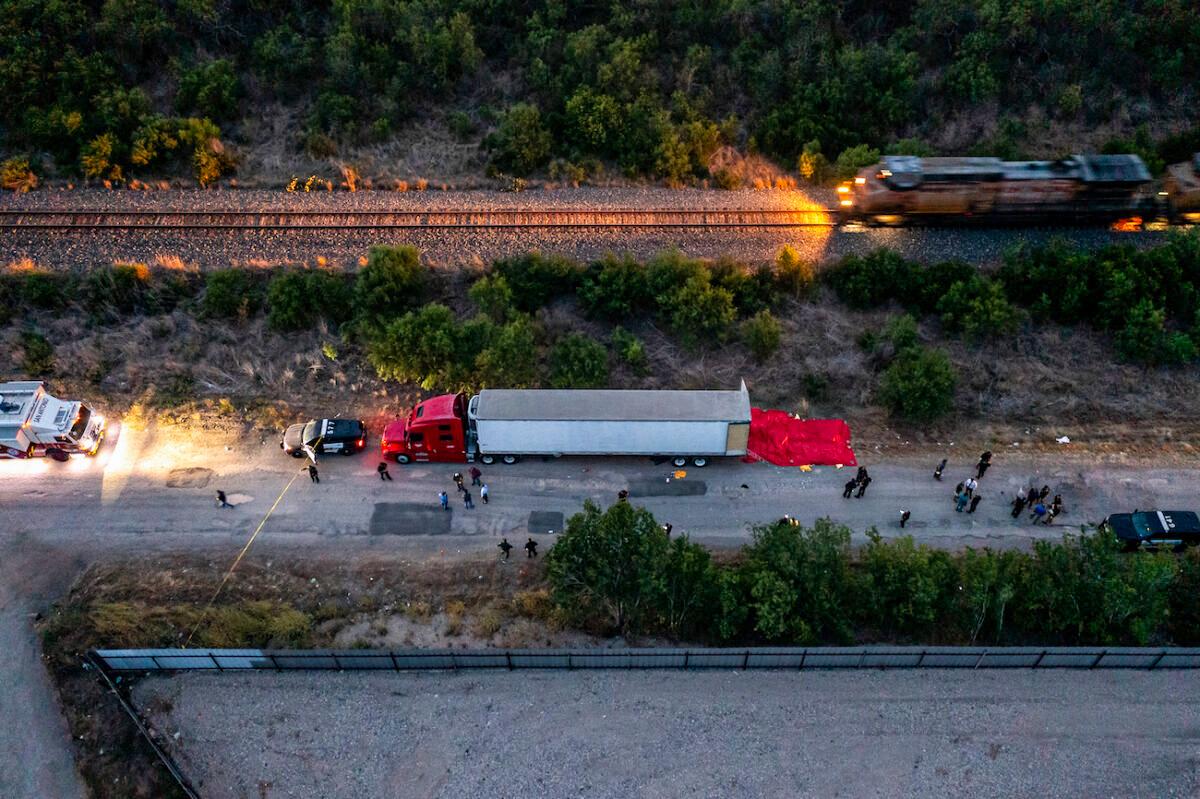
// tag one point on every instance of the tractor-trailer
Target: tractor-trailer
(506, 424)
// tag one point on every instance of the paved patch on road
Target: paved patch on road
(409, 518)
(545, 521)
(190, 477)
(663, 488)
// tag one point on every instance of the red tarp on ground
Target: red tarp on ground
(780, 438)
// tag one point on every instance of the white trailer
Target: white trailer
(34, 423)
(697, 425)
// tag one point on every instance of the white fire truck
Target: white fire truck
(33, 424)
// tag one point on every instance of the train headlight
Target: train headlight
(860, 181)
(847, 203)
(843, 189)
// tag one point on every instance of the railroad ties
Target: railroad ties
(466, 218)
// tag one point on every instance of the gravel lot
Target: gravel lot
(74, 249)
(669, 734)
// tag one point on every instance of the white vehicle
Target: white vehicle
(33, 424)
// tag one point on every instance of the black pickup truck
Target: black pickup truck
(325, 436)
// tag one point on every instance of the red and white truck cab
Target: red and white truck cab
(434, 431)
(33, 423)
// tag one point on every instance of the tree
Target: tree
(978, 308)
(230, 293)
(852, 159)
(617, 568)
(209, 89)
(577, 361)
(420, 347)
(392, 281)
(536, 279)
(919, 384)
(614, 288)
(510, 360)
(630, 349)
(793, 274)
(698, 311)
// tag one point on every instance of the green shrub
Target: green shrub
(902, 332)
(868, 281)
(37, 354)
(392, 281)
(1144, 339)
(535, 279)
(762, 334)
(753, 290)
(793, 274)
(698, 311)
(521, 143)
(492, 296)
(812, 165)
(667, 272)
(630, 349)
(49, 290)
(906, 589)
(117, 290)
(850, 160)
(918, 386)
(210, 90)
(577, 361)
(15, 175)
(614, 288)
(978, 308)
(510, 360)
(230, 293)
(423, 346)
(296, 299)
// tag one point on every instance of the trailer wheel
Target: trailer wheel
(297, 453)
(487, 460)
(680, 462)
(56, 454)
(402, 459)
(699, 463)
(510, 459)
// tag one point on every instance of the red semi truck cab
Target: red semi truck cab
(434, 431)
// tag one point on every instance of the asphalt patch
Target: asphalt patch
(544, 522)
(191, 477)
(409, 518)
(663, 488)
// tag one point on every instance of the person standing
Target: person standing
(475, 475)
(458, 481)
(531, 548)
(862, 486)
(505, 547)
(1055, 508)
(1039, 510)
(667, 528)
(312, 473)
(1045, 492)
(985, 462)
(848, 489)
(483, 493)
(1018, 504)
(384, 474)
(904, 517)
(444, 498)
(960, 501)
(221, 501)
(623, 495)
(862, 474)
(969, 485)
(941, 467)
(974, 503)
(467, 501)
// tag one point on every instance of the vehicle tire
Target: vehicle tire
(699, 463)
(510, 459)
(297, 453)
(402, 459)
(348, 451)
(487, 460)
(679, 462)
(58, 455)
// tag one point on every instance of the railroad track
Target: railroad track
(374, 220)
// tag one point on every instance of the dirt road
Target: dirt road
(153, 491)
(702, 734)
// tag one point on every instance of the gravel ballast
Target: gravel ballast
(669, 734)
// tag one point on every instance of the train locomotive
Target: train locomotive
(1079, 188)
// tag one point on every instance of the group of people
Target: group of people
(966, 494)
(1035, 499)
(468, 500)
(860, 482)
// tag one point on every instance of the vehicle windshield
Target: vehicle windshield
(1145, 524)
(311, 430)
(81, 422)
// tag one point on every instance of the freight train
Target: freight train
(1080, 188)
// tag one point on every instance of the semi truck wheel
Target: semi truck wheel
(487, 460)
(402, 459)
(699, 463)
(680, 462)
(56, 454)
(510, 459)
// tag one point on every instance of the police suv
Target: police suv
(325, 436)
(1155, 529)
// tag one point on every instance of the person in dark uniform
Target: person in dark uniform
(221, 502)
(985, 462)
(862, 486)
(312, 473)
(531, 548)
(941, 467)
(384, 474)
(904, 517)
(505, 547)
(848, 489)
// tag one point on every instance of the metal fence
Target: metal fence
(796, 658)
